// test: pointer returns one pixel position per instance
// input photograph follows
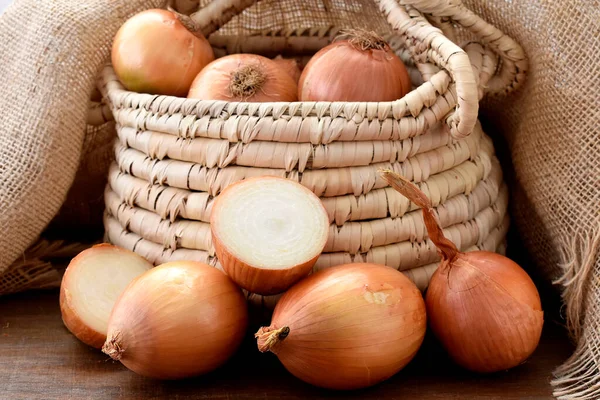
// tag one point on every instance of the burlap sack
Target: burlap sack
(50, 54)
(553, 128)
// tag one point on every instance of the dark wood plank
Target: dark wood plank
(40, 359)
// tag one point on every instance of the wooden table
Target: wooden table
(40, 359)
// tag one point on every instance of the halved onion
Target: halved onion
(268, 232)
(90, 287)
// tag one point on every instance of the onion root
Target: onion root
(364, 40)
(113, 348)
(268, 338)
(246, 81)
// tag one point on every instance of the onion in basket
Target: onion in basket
(155, 53)
(359, 68)
(90, 287)
(178, 320)
(244, 77)
(482, 306)
(347, 327)
(289, 65)
(268, 232)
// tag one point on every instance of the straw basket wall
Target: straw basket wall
(175, 155)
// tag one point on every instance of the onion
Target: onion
(347, 327)
(290, 65)
(482, 306)
(90, 287)
(268, 232)
(155, 53)
(178, 320)
(244, 77)
(360, 68)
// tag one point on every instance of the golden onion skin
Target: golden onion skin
(348, 327)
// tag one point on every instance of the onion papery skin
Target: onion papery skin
(248, 272)
(215, 80)
(342, 72)
(485, 310)
(290, 66)
(153, 52)
(178, 320)
(482, 306)
(348, 327)
(265, 282)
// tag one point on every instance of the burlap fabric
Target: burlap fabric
(553, 127)
(50, 54)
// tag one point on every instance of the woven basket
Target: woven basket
(174, 155)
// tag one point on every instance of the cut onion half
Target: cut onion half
(268, 232)
(92, 283)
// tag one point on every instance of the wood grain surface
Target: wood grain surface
(40, 359)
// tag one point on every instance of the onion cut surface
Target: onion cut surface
(268, 232)
(92, 283)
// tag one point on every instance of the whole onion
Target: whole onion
(289, 65)
(177, 320)
(244, 77)
(359, 68)
(482, 306)
(347, 327)
(153, 52)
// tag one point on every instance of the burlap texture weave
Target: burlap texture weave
(50, 54)
(49, 69)
(553, 128)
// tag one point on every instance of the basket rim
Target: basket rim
(113, 90)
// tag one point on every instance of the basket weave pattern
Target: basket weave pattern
(174, 155)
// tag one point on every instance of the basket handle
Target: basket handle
(514, 61)
(427, 44)
(423, 39)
